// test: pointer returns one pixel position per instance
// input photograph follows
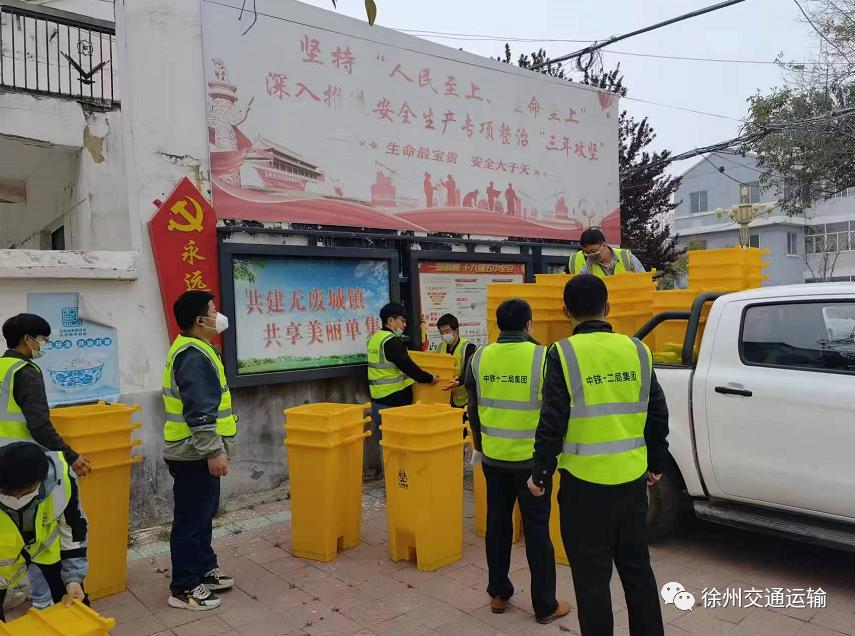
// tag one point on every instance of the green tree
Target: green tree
(815, 159)
(646, 192)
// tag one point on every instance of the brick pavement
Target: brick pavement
(364, 593)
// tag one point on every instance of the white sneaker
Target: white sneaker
(199, 599)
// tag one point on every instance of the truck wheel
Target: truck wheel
(666, 506)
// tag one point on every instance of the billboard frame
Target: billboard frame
(228, 251)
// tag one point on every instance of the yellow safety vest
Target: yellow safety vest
(176, 429)
(13, 424)
(608, 378)
(458, 395)
(580, 264)
(45, 548)
(509, 377)
(384, 378)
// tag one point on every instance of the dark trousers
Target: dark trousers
(601, 524)
(197, 499)
(53, 576)
(504, 488)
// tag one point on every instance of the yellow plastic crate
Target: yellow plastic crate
(725, 256)
(58, 620)
(440, 364)
(554, 280)
(422, 446)
(324, 452)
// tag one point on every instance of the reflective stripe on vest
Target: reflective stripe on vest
(508, 423)
(458, 395)
(605, 440)
(13, 424)
(45, 548)
(175, 427)
(384, 378)
(584, 265)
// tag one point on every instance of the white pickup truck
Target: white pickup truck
(762, 426)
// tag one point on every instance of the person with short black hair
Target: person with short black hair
(42, 524)
(391, 371)
(598, 258)
(605, 419)
(27, 413)
(199, 435)
(504, 389)
(461, 350)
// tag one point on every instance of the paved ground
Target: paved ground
(363, 592)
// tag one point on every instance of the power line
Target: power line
(596, 46)
(720, 170)
(683, 108)
(482, 37)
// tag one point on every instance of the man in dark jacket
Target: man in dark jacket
(391, 371)
(26, 336)
(605, 418)
(199, 435)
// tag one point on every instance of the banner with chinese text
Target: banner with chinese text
(306, 313)
(460, 288)
(315, 117)
(183, 235)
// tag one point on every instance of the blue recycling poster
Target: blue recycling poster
(81, 362)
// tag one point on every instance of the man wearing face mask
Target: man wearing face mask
(391, 371)
(24, 410)
(41, 522)
(461, 350)
(199, 435)
(504, 386)
(599, 259)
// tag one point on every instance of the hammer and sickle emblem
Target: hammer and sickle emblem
(194, 221)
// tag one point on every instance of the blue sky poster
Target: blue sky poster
(81, 362)
(306, 313)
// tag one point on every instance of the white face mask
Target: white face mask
(222, 323)
(38, 353)
(399, 332)
(447, 338)
(16, 503)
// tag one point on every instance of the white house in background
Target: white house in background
(817, 246)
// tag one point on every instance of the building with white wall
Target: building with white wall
(812, 247)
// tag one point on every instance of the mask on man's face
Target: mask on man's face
(597, 256)
(447, 338)
(18, 503)
(37, 352)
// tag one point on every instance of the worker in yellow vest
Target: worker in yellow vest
(42, 524)
(504, 388)
(391, 372)
(599, 259)
(199, 435)
(605, 418)
(24, 410)
(459, 348)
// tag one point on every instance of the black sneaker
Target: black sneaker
(199, 599)
(216, 581)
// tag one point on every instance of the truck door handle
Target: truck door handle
(726, 390)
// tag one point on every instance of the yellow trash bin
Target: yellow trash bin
(422, 446)
(555, 523)
(324, 449)
(102, 432)
(440, 364)
(59, 620)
